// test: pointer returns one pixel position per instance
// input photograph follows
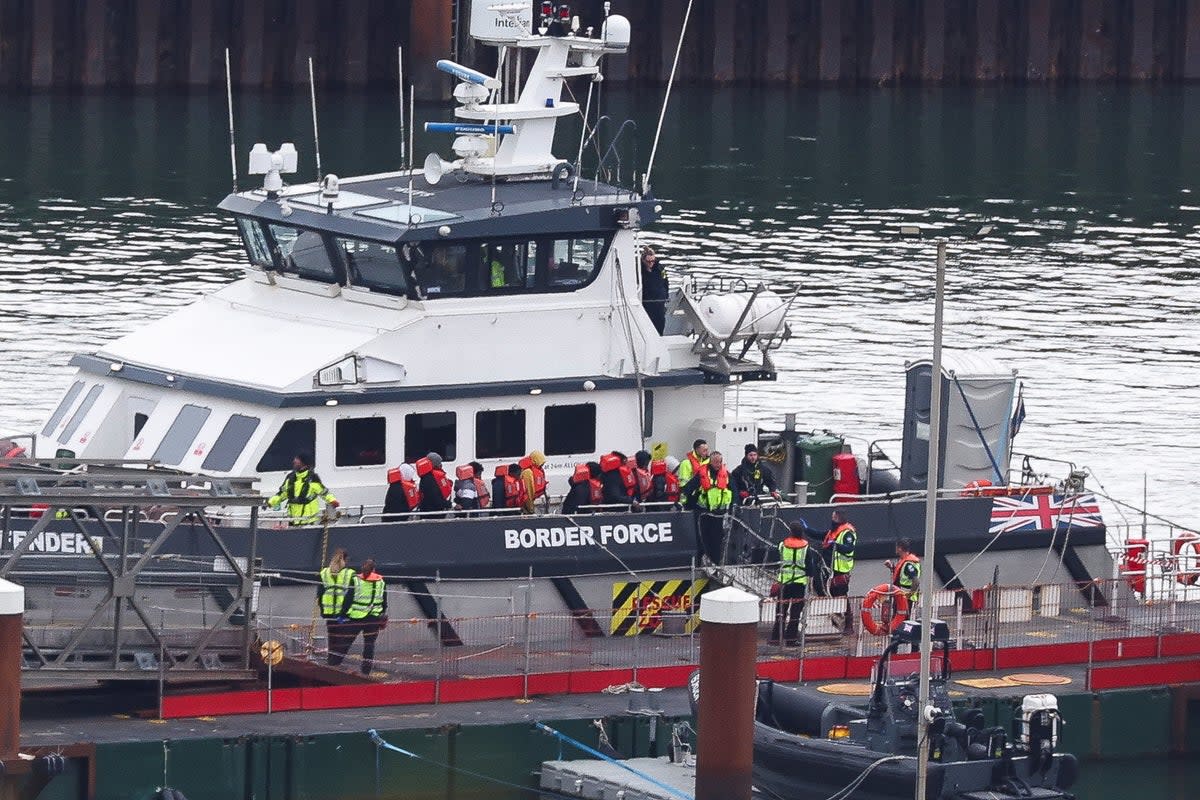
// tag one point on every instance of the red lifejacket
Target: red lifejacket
(597, 491)
(444, 483)
(706, 479)
(629, 480)
(424, 467)
(610, 462)
(670, 480)
(539, 476)
(697, 465)
(514, 491)
(643, 482)
(582, 473)
(412, 493)
(908, 557)
(485, 496)
(464, 472)
(15, 452)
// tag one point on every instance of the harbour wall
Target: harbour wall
(173, 44)
(347, 766)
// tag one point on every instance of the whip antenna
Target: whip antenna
(412, 95)
(400, 72)
(667, 97)
(229, 102)
(312, 90)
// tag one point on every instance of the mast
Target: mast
(931, 490)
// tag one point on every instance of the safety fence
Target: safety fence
(1069, 617)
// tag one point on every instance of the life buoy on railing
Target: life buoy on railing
(886, 624)
(1181, 545)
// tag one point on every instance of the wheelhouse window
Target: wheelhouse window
(574, 261)
(179, 437)
(230, 443)
(76, 419)
(436, 432)
(63, 406)
(372, 266)
(360, 442)
(255, 242)
(570, 430)
(440, 270)
(302, 253)
(500, 434)
(507, 266)
(295, 436)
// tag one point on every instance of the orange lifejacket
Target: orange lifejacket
(643, 481)
(513, 488)
(697, 465)
(900, 565)
(539, 476)
(706, 479)
(444, 483)
(412, 493)
(671, 491)
(464, 472)
(15, 452)
(424, 467)
(597, 489)
(582, 473)
(485, 496)
(610, 462)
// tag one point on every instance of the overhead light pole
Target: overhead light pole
(931, 490)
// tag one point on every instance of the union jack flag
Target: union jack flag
(1044, 512)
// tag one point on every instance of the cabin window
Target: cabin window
(139, 421)
(179, 437)
(372, 266)
(441, 269)
(508, 265)
(76, 419)
(360, 442)
(63, 406)
(302, 253)
(295, 436)
(500, 434)
(574, 261)
(230, 443)
(570, 430)
(435, 432)
(255, 242)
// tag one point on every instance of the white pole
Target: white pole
(400, 72)
(662, 113)
(412, 124)
(229, 101)
(926, 587)
(312, 91)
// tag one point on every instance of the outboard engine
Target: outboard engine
(1037, 728)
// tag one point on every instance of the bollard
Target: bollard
(728, 646)
(12, 610)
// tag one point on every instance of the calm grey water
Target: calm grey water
(1087, 286)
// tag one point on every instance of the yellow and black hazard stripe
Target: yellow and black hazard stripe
(638, 606)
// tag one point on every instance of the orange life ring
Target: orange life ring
(1187, 577)
(1133, 566)
(899, 609)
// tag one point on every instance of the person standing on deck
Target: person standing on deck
(334, 597)
(708, 492)
(656, 289)
(436, 487)
(533, 478)
(303, 490)
(367, 615)
(697, 457)
(906, 573)
(798, 562)
(751, 479)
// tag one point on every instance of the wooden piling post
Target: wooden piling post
(12, 611)
(728, 646)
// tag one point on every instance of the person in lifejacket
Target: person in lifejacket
(303, 491)
(10, 449)
(533, 481)
(839, 546)
(481, 485)
(709, 489)
(798, 564)
(436, 487)
(664, 483)
(335, 593)
(580, 491)
(507, 490)
(618, 481)
(403, 495)
(752, 479)
(691, 463)
(639, 465)
(367, 615)
(466, 492)
(906, 572)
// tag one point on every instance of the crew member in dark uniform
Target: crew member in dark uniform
(655, 289)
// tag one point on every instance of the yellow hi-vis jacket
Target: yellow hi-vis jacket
(334, 589)
(302, 490)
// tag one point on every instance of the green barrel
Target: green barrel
(816, 463)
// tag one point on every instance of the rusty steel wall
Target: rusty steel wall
(97, 44)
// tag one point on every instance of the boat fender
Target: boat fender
(887, 623)
(563, 171)
(1185, 541)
